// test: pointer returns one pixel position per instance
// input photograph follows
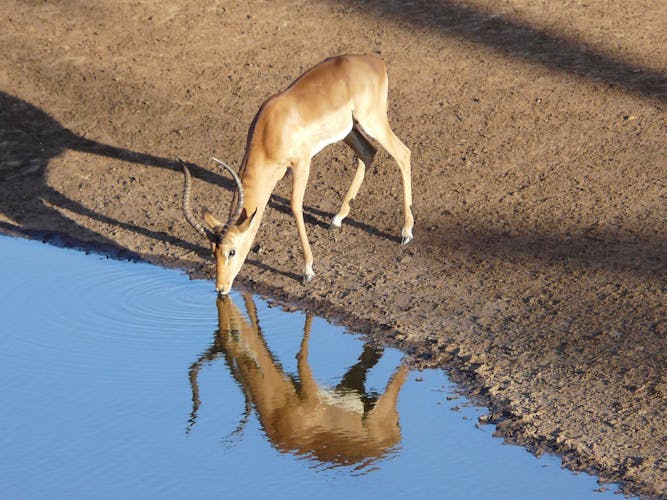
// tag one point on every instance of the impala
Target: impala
(339, 99)
(341, 425)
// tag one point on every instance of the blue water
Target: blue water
(96, 358)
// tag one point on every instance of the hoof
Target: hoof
(406, 236)
(308, 273)
(336, 222)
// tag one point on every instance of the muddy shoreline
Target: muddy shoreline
(538, 272)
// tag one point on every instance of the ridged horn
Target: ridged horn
(187, 185)
(239, 204)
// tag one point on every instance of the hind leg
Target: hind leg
(378, 128)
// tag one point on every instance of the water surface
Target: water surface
(124, 379)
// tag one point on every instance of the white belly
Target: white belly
(323, 143)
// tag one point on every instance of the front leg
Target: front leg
(300, 172)
(308, 390)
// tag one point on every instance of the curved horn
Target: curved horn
(239, 204)
(186, 205)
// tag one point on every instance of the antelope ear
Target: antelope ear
(211, 221)
(243, 222)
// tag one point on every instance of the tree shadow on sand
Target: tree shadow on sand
(521, 41)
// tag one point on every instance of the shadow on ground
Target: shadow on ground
(520, 41)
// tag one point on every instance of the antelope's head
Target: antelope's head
(230, 241)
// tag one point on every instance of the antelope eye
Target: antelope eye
(232, 252)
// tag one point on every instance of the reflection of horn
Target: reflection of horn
(194, 387)
(251, 308)
(210, 355)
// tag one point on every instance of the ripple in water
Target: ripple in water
(131, 380)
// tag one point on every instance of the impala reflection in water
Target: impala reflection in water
(343, 425)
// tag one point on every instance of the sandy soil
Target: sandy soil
(538, 131)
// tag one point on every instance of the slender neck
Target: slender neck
(259, 181)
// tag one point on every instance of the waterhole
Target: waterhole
(127, 380)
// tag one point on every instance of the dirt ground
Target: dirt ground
(537, 276)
